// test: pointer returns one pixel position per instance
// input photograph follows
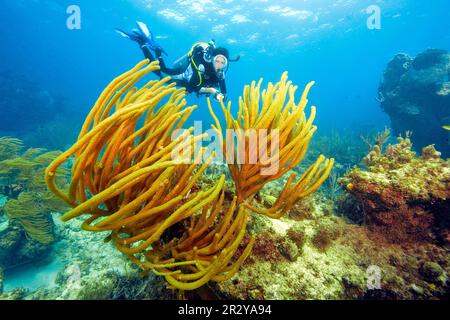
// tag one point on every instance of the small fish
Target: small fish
(446, 127)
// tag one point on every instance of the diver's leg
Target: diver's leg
(163, 66)
(148, 54)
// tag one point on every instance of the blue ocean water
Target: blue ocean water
(32, 277)
(46, 66)
(322, 40)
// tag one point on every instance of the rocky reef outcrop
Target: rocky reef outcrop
(309, 254)
(404, 197)
(26, 223)
(414, 93)
(313, 254)
(17, 249)
(82, 275)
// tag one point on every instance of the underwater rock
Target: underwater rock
(9, 241)
(297, 235)
(327, 231)
(414, 93)
(275, 270)
(267, 247)
(431, 271)
(289, 250)
(350, 208)
(380, 294)
(324, 237)
(341, 270)
(16, 294)
(16, 249)
(405, 198)
(89, 269)
(111, 285)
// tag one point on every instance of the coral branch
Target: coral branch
(283, 147)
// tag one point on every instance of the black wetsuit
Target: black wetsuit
(209, 78)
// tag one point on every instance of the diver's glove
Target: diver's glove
(220, 97)
(216, 94)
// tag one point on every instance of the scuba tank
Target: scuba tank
(185, 62)
(208, 56)
(182, 63)
(208, 51)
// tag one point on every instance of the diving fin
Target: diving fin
(144, 29)
(135, 35)
(150, 38)
(123, 33)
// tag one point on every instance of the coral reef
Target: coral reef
(89, 269)
(314, 254)
(17, 249)
(190, 228)
(414, 93)
(27, 233)
(125, 177)
(21, 180)
(92, 269)
(335, 260)
(405, 197)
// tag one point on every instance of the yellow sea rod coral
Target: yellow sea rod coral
(125, 181)
(274, 111)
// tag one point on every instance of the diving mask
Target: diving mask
(220, 65)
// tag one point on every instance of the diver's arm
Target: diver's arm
(206, 90)
(218, 96)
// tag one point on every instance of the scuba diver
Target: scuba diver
(202, 70)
